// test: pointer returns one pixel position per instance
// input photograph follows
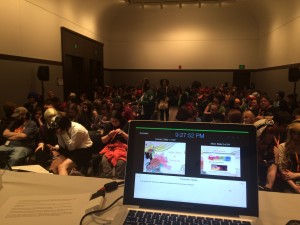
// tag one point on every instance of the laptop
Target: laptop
(192, 172)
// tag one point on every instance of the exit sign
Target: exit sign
(241, 67)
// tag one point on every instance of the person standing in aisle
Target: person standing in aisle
(163, 97)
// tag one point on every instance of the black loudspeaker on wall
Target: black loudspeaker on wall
(294, 74)
(43, 73)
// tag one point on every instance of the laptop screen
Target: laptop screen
(200, 167)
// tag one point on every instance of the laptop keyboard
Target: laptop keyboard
(138, 217)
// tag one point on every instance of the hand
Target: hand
(113, 133)
(288, 175)
(53, 148)
(39, 147)
(118, 131)
(95, 113)
(60, 131)
(297, 189)
(259, 117)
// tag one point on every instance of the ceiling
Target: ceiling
(100, 16)
(176, 1)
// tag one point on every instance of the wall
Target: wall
(195, 38)
(19, 78)
(177, 78)
(274, 80)
(138, 42)
(278, 25)
(30, 29)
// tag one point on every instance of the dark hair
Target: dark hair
(219, 97)
(49, 102)
(61, 122)
(186, 112)
(234, 116)
(74, 107)
(88, 104)
(33, 95)
(115, 114)
(196, 84)
(266, 97)
(281, 94)
(83, 95)
(162, 80)
(146, 84)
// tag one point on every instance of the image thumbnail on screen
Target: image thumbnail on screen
(220, 160)
(164, 157)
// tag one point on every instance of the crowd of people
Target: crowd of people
(63, 137)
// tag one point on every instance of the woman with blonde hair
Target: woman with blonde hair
(288, 161)
(46, 136)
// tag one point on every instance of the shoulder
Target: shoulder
(77, 127)
(31, 123)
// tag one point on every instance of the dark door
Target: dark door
(73, 75)
(241, 79)
(96, 76)
(82, 63)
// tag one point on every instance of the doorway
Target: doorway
(82, 63)
(241, 79)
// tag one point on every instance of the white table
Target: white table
(274, 208)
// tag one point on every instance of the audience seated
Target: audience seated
(37, 116)
(288, 158)
(75, 114)
(292, 103)
(267, 134)
(248, 117)
(267, 110)
(33, 103)
(216, 102)
(74, 144)
(46, 137)
(55, 101)
(254, 106)
(8, 109)
(187, 112)
(103, 123)
(20, 136)
(114, 153)
(280, 103)
(127, 110)
(213, 114)
(234, 116)
(87, 114)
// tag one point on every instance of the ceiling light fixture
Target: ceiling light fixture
(162, 3)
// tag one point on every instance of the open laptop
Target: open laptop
(192, 172)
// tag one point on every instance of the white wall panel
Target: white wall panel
(280, 47)
(189, 54)
(196, 38)
(272, 81)
(10, 27)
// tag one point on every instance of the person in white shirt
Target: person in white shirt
(73, 142)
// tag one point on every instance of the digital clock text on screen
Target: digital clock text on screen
(189, 135)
